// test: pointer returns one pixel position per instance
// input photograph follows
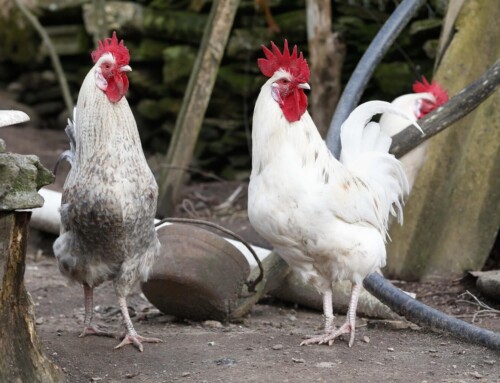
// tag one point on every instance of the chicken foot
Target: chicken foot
(349, 327)
(88, 328)
(131, 337)
(328, 318)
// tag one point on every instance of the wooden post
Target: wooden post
(100, 22)
(21, 358)
(326, 55)
(195, 103)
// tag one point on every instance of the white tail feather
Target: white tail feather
(365, 153)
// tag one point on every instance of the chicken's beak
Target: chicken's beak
(304, 85)
(125, 68)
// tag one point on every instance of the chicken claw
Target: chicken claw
(92, 330)
(330, 336)
(137, 341)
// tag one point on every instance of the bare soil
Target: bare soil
(263, 347)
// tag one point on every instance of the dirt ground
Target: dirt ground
(263, 347)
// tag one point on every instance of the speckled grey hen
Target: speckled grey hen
(109, 197)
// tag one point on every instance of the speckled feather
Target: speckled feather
(109, 198)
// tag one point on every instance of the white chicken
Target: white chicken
(426, 98)
(327, 218)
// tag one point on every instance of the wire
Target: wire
(250, 284)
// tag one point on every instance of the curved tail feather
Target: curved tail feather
(68, 155)
(365, 152)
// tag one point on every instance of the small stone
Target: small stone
(185, 374)
(292, 318)
(298, 360)
(366, 339)
(278, 347)
(433, 351)
(489, 284)
(211, 344)
(212, 324)
(54, 353)
(249, 348)
(489, 361)
(476, 375)
(96, 379)
(40, 320)
(225, 362)
(325, 364)
(390, 349)
(131, 375)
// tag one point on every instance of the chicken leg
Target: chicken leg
(328, 317)
(349, 327)
(131, 337)
(88, 329)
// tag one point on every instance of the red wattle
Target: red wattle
(117, 87)
(294, 105)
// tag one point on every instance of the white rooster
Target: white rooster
(426, 98)
(327, 218)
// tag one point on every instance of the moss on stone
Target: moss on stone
(20, 178)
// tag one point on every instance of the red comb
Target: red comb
(437, 90)
(292, 63)
(111, 45)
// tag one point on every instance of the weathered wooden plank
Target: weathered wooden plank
(195, 102)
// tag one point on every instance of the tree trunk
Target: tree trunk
(195, 103)
(326, 55)
(22, 359)
(452, 216)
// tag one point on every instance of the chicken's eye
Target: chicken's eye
(107, 66)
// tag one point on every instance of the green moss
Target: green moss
(20, 178)
(425, 25)
(17, 40)
(393, 78)
(178, 63)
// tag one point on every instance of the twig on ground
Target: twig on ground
(230, 200)
(484, 308)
